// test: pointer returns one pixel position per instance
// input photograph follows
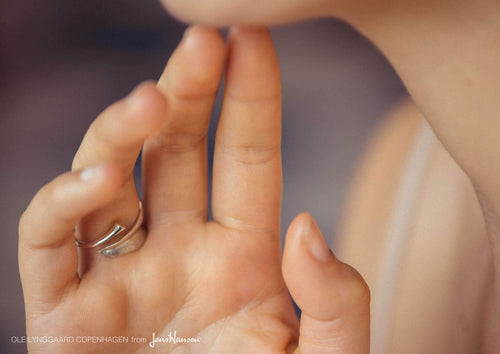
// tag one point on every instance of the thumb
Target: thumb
(333, 297)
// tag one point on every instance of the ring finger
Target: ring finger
(117, 136)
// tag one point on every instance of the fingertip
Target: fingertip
(197, 36)
(121, 129)
(249, 33)
(299, 225)
(333, 297)
(305, 235)
(108, 177)
(316, 243)
(309, 264)
(147, 102)
(253, 70)
(195, 68)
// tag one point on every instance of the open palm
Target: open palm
(219, 285)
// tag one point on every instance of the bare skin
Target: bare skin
(221, 282)
(447, 54)
(445, 271)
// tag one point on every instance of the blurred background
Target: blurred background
(64, 61)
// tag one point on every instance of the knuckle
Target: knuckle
(180, 142)
(54, 196)
(235, 224)
(48, 198)
(201, 87)
(253, 154)
(52, 192)
(85, 155)
(255, 98)
(108, 139)
(23, 221)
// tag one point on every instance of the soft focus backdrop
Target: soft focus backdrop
(63, 61)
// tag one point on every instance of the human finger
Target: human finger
(175, 161)
(247, 158)
(117, 136)
(48, 260)
(333, 297)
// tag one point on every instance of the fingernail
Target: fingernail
(315, 241)
(92, 173)
(186, 37)
(190, 39)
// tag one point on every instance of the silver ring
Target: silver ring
(119, 241)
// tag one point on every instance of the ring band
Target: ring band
(119, 240)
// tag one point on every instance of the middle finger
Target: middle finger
(247, 158)
(117, 136)
(175, 161)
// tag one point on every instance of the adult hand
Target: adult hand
(221, 282)
(446, 53)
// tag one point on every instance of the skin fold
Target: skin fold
(446, 53)
(223, 281)
(220, 283)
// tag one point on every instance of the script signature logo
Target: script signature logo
(172, 338)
